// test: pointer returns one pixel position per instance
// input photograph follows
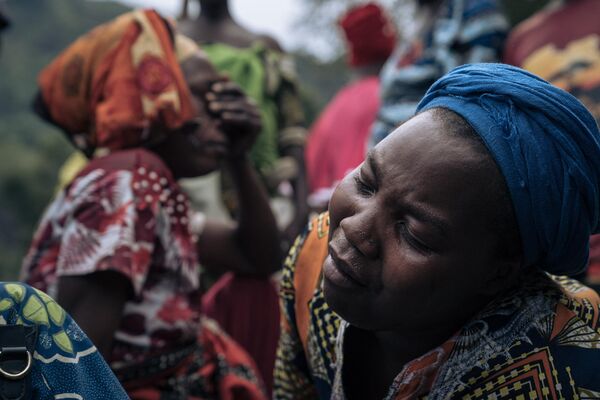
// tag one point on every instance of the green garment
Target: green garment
(255, 69)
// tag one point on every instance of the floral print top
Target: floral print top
(124, 212)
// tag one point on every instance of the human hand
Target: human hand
(238, 116)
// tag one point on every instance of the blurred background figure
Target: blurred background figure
(447, 33)
(259, 65)
(561, 44)
(119, 246)
(337, 141)
(266, 74)
(4, 22)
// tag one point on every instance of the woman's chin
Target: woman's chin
(200, 168)
(348, 305)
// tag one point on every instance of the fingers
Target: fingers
(239, 106)
(233, 108)
(226, 88)
(233, 119)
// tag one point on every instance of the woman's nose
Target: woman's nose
(360, 231)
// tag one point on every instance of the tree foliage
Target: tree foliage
(31, 151)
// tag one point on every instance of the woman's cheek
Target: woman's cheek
(342, 204)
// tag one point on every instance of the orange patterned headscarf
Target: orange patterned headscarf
(109, 87)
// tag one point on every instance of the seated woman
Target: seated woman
(118, 247)
(64, 363)
(434, 274)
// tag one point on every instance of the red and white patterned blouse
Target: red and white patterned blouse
(124, 212)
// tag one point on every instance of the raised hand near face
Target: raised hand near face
(239, 117)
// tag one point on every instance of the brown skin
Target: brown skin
(411, 256)
(215, 25)
(225, 129)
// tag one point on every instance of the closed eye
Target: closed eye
(411, 239)
(362, 187)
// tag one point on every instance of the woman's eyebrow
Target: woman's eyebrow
(428, 217)
(374, 165)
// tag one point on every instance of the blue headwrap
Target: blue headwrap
(547, 146)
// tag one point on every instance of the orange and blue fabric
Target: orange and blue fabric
(539, 341)
(66, 365)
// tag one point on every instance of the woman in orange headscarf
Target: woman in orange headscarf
(119, 247)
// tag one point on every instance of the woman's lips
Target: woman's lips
(339, 271)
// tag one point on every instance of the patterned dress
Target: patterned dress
(539, 341)
(125, 213)
(66, 364)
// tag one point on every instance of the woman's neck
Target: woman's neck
(381, 355)
(372, 360)
(402, 348)
(215, 13)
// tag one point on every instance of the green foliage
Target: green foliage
(31, 151)
(518, 10)
(319, 81)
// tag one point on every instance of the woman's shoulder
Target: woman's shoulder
(130, 175)
(309, 327)
(576, 301)
(129, 160)
(137, 166)
(302, 266)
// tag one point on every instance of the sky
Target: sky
(273, 17)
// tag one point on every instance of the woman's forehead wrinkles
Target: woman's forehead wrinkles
(400, 203)
(374, 161)
(428, 216)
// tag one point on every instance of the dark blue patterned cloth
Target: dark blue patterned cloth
(463, 31)
(66, 365)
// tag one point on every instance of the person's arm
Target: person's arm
(97, 312)
(97, 277)
(300, 186)
(292, 141)
(251, 244)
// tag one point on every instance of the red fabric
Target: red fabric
(124, 212)
(594, 268)
(337, 141)
(370, 34)
(562, 45)
(248, 310)
(559, 27)
(219, 369)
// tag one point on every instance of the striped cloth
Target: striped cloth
(463, 31)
